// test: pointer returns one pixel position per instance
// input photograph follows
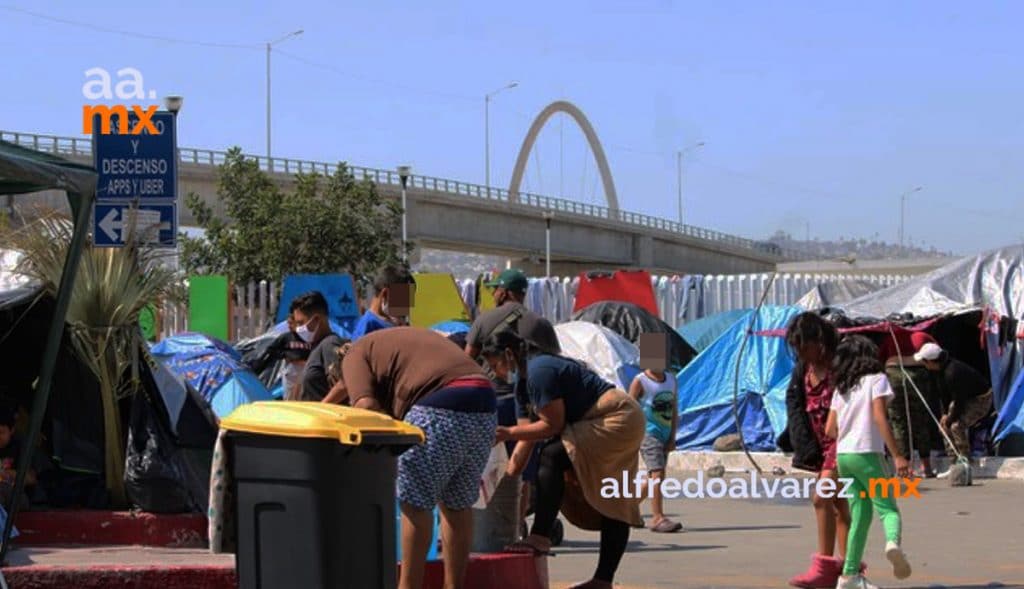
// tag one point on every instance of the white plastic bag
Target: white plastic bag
(497, 462)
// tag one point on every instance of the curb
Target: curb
(680, 461)
(47, 528)
(508, 571)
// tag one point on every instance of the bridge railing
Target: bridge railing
(82, 147)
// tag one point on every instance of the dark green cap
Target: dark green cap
(512, 279)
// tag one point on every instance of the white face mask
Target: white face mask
(304, 333)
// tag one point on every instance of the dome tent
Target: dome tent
(607, 353)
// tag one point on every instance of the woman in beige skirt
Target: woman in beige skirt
(590, 434)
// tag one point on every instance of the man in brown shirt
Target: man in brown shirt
(416, 375)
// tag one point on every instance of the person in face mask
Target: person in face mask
(313, 327)
(509, 293)
(587, 429)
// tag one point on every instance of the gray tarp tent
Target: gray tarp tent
(22, 171)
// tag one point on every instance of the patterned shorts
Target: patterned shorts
(445, 469)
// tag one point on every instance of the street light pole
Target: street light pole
(903, 206)
(487, 132)
(679, 174)
(269, 45)
(403, 173)
(547, 244)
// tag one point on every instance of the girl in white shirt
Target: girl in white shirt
(858, 419)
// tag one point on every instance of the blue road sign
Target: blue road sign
(152, 224)
(142, 166)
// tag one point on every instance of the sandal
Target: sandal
(666, 526)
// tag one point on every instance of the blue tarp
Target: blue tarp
(450, 327)
(343, 306)
(1011, 415)
(706, 385)
(212, 368)
(703, 332)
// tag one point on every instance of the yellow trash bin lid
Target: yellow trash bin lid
(299, 419)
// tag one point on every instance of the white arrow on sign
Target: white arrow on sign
(110, 225)
(145, 222)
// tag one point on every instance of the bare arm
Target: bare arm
(472, 351)
(551, 423)
(368, 403)
(337, 394)
(636, 390)
(832, 425)
(881, 419)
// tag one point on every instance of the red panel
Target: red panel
(627, 286)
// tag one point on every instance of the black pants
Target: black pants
(554, 462)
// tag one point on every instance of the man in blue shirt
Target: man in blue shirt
(391, 304)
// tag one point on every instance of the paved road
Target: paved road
(955, 537)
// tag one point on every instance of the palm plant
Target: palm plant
(112, 286)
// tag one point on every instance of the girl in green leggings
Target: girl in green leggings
(859, 422)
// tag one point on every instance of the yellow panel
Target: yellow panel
(437, 299)
(296, 419)
(486, 298)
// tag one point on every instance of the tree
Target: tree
(328, 224)
(112, 287)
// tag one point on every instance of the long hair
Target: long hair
(502, 340)
(809, 329)
(856, 357)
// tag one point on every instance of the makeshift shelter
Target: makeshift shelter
(24, 171)
(703, 332)
(607, 353)
(437, 298)
(214, 369)
(629, 321)
(981, 302)
(707, 386)
(827, 294)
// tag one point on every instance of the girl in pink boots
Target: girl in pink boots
(813, 342)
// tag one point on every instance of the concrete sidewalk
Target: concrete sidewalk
(968, 537)
(990, 467)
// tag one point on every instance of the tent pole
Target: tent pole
(49, 362)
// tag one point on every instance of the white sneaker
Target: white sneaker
(944, 474)
(900, 565)
(855, 582)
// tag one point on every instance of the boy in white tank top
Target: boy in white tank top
(656, 392)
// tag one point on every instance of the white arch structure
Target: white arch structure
(588, 131)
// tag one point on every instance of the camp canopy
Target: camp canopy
(22, 171)
(707, 385)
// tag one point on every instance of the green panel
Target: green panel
(209, 311)
(147, 321)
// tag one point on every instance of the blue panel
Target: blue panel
(343, 306)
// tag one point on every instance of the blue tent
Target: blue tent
(1011, 415)
(706, 385)
(214, 369)
(703, 332)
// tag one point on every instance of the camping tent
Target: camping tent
(991, 285)
(703, 332)
(447, 328)
(217, 373)
(23, 171)
(629, 321)
(827, 294)
(607, 353)
(707, 385)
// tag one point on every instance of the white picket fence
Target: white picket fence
(680, 298)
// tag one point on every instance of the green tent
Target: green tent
(25, 170)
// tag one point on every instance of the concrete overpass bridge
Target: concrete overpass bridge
(452, 215)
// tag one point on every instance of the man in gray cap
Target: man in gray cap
(510, 313)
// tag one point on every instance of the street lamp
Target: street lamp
(487, 132)
(403, 173)
(679, 174)
(269, 45)
(547, 244)
(903, 206)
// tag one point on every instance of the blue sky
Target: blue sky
(819, 113)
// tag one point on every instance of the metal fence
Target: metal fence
(680, 299)
(82, 147)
